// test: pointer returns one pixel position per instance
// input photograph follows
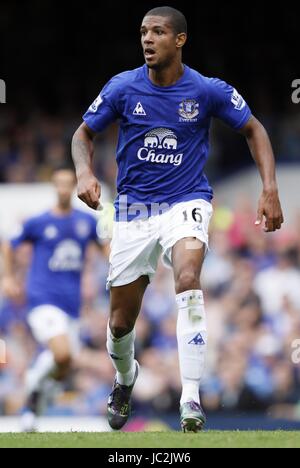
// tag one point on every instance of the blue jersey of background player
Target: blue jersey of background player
(165, 109)
(59, 239)
(59, 245)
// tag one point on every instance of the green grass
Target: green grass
(153, 440)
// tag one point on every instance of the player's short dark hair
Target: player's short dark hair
(178, 20)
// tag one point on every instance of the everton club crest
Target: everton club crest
(189, 110)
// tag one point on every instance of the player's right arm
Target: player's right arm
(10, 285)
(104, 111)
(88, 188)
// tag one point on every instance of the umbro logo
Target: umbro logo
(198, 340)
(139, 110)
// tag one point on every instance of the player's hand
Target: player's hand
(89, 190)
(11, 288)
(270, 208)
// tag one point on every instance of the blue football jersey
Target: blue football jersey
(164, 135)
(59, 246)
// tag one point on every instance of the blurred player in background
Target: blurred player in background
(165, 110)
(59, 238)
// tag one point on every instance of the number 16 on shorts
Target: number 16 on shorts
(197, 218)
(194, 214)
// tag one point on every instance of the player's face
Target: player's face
(160, 43)
(64, 182)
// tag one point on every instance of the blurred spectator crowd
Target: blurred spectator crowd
(251, 282)
(29, 151)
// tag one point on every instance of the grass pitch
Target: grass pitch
(153, 440)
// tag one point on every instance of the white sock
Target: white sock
(121, 352)
(192, 343)
(43, 367)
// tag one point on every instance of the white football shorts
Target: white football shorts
(48, 322)
(137, 245)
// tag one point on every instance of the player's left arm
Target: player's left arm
(262, 152)
(104, 248)
(102, 245)
(9, 283)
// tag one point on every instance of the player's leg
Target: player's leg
(184, 238)
(188, 257)
(135, 251)
(50, 327)
(126, 303)
(53, 364)
(61, 348)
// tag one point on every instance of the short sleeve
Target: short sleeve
(105, 109)
(227, 104)
(27, 234)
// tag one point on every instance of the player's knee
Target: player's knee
(187, 280)
(120, 329)
(63, 362)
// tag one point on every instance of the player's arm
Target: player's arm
(262, 152)
(229, 106)
(10, 285)
(99, 116)
(104, 249)
(89, 189)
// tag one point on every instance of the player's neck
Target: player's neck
(167, 76)
(60, 210)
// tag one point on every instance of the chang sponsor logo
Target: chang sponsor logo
(160, 147)
(67, 257)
